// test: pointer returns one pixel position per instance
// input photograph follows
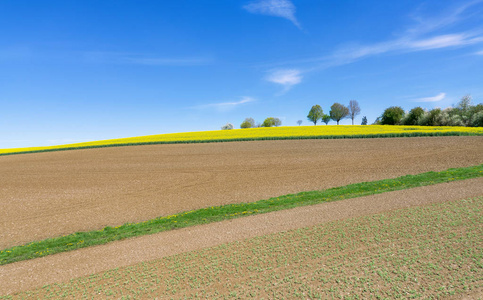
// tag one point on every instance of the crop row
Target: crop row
(272, 133)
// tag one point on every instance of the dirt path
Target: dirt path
(50, 194)
(61, 267)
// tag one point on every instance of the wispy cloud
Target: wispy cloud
(436, 98)
(425, 34)
(224, 106)
(287, 78)
(143, 59)
(404, 44)
(479, 53)
(278, 8)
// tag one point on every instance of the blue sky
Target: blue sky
(73, 71)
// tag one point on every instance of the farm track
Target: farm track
(26, 275)
(51, 194)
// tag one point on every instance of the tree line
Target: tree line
(337, 112)
(250, 123)
(463, 114)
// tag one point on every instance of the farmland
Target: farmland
(58, 193)
(277, 133)
(425, 251)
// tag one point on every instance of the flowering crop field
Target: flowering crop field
(273, 133)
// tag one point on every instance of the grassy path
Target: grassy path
(157, 265)
(219, 213)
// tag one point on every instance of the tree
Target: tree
(315, 114)
(354, 109)
(248, 123)
(299, 122)
(392, 115)
(277, 122)
(227, 126)
(463, 109)
(326, 119)
(364, 120)
(338, 112)
(431, 118)
(413, 116)
(270, 122)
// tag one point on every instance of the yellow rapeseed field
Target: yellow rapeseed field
(286, 132)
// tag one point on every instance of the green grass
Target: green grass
(219, 213)
(426, 252)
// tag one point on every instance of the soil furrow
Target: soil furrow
(64, 266)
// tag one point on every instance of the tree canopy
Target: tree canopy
(338, 112)
(392, 115)
(248, 123)
(315, 114)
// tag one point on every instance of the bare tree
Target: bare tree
(354, 109)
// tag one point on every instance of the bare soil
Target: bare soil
(50, 194)
(62, 267)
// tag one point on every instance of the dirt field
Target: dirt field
(62, 267)
(51, 194)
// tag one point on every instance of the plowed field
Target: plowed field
(50, 194)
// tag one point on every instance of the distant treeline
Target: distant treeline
(463, 114)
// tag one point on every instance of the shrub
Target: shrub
(392, 116)
(270, 122)
(477, 119)
(248, 123)
(413, 116)
(227, 126)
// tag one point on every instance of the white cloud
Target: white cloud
(425, 35)
(278, 8)
(287, 78)
(479, 53)
(404, 44)
(444, 41)
(224, 106)
(436, 98)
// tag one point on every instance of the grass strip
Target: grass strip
(271, 138)
(219, 213)
(425, 252)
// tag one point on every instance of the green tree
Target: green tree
(431, 118)
(326, 119)
(392, 115)
(354, 110)
(338, 112)
(299, 122)
(315, 114)
(364, 120)
(270, 122)
(463, 109)
(413, 116)
(248, 123)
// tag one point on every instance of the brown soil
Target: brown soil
(61, 267)
(50, 194)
